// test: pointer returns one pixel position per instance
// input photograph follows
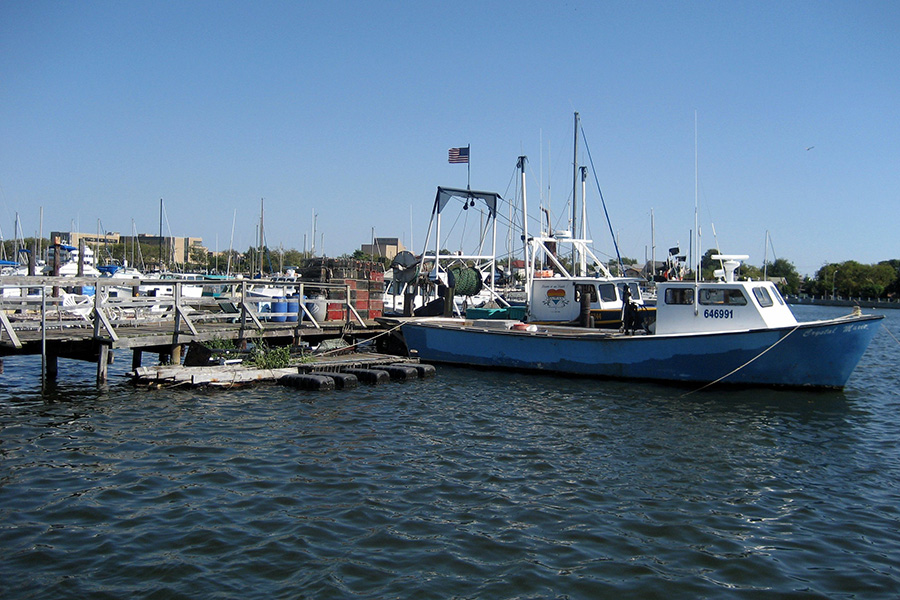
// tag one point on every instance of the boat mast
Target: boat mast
(262, 213)
(528, 267)
(582, 263)
(574, 189)
(696, 220)
(230, 245)
(160, 266)
(652, 248)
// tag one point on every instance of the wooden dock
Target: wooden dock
(317, 373)
(47, 316)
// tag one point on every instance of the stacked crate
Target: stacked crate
(364, 279)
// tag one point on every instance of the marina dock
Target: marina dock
(317, 373)
(47, 316)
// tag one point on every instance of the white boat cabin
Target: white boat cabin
(556, 299)
(723, 305)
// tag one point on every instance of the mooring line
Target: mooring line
(700, 389)
(889, 333)
(351, 346)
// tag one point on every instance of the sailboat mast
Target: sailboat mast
(528, 267)
(160, 235)
(262, 214)
(652, 246)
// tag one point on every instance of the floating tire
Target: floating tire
(425, 370)
(373, 376)
(342, 381)
(401, 372)
(308, 382)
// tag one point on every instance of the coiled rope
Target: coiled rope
(466, 281)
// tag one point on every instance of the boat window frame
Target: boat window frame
(679, 296)
(777, 294)
(763, 297)
(731, 296)
(604, 289)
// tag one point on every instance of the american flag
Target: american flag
(459, 155)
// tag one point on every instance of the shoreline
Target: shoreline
(849, 302)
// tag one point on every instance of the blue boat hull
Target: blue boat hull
(820, 354)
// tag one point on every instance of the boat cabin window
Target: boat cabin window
(608, 292)
(729, 296)
(635, 290)
(679, 296)
(778, 297)
(763, 297)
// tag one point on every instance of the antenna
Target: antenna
(696, 218)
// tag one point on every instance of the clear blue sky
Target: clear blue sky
(348, 109)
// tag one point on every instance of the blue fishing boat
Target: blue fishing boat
(724, 331)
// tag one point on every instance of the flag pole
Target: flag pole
(469, 168)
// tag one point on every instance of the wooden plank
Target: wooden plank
(8, 328)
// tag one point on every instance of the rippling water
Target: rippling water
(469, 485)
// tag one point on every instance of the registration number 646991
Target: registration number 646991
(718, 313)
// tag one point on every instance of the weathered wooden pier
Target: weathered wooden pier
(54, 318)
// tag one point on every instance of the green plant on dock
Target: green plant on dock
(220, 344)
(264, 357)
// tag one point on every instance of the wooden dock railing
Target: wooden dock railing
(100, 314)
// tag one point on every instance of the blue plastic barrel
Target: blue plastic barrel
(279, 305)
(293, 305)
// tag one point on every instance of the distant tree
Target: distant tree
(893, 289)
(293, 258)
(853, 279)
(613, 264)
(784, 268)
(750, 272)
(199, 258)
(708, 266)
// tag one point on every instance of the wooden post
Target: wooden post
(136, 356)
(409, 299)
(32, 258)
(52, 366)
(585, 291)
(102, 362)
(56, 264)
(176, 354)
(81, 250)
(449, 293)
